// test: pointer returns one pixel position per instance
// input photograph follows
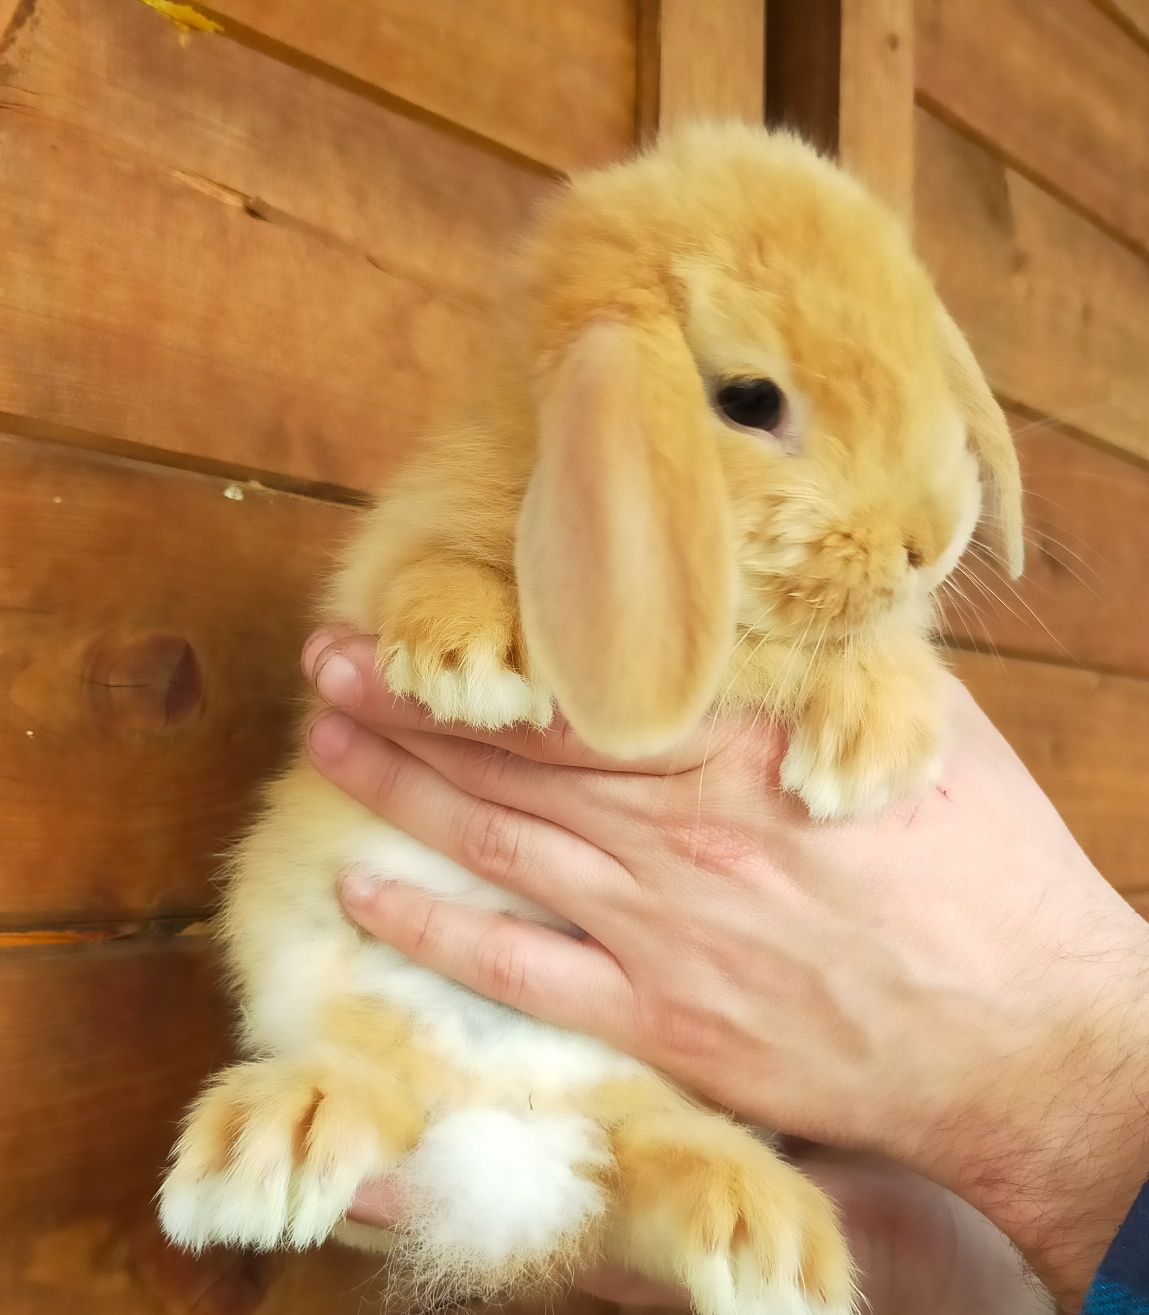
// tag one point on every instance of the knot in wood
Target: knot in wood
(144, 683)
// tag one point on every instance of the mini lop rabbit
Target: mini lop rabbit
(728, 446)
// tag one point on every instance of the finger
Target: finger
(582, 799)
(321, 639)
(521, 853)
(378, 1204)
(345, 676)
(571, 983)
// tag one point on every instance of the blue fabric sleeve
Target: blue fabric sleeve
(1122, 1283)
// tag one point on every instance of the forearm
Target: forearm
(1060, 1161)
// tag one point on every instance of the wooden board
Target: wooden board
(1140, 901)
(101, 1048)
(841, 71)
(1057, 311)
(1085, 737)
(875, 114)
(150, 624)
(1082, 598)
(105, 1265)
(149, 634)
(112, 1263)
(266, 274)
(201, 330)
(1056, 87)
(1132, 15)
(701, 61)
(553, 82)
(402, 195)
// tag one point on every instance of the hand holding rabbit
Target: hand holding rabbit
(952, 986)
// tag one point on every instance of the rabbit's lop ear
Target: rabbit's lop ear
(625, 554)
(991, 440)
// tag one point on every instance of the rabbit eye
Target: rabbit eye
(753, 404)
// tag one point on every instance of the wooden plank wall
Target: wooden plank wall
(237, 271)
(1031, 201)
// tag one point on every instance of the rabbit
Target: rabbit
(728, 446)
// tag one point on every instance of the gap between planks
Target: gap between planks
(169, 927)
(160, 458)
(940, 111)
(1008, 653)
(282, 53)
(1129, 26)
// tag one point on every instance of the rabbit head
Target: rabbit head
(753, 413)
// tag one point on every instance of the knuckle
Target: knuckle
(502, 969)
(485, 773)
(714, 848)
(674, 1031)
(387, 777)
(424, 929)
(490, 840)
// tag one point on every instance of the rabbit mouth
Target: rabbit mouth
(799, 608)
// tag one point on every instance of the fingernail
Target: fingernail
(330, 735)
(320, 640)
(314, 646)
(358, 888)
(337, 681)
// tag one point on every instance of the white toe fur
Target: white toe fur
(482, 691)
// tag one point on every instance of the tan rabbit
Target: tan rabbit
(729, 445)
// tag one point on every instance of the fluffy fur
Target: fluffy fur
(590, 529)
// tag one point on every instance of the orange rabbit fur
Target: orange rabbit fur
(598, 528)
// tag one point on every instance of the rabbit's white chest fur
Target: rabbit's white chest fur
(308, 955)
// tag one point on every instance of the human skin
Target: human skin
(952, 986)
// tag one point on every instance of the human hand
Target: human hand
(952, 985)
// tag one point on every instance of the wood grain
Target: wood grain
(1057, 311)
(100, 1049)
(552, 82)
(297, 151)
(157, 677)
(1056, 88)
(803, 68)
(150, 624)
(334, 261)
(201, 330)
(701, 61)
(115, 1263)
(1085, 737)
(841, 71)
(1082, 598)
(107, 1264)
(876, 97)
(1139, 900)
(1132, 15)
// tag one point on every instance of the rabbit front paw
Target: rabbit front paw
(470, 682)
(855, 751)
(272, 1154)
(455, 645)
(706, 1205)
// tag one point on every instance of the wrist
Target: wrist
(1057, 1154)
